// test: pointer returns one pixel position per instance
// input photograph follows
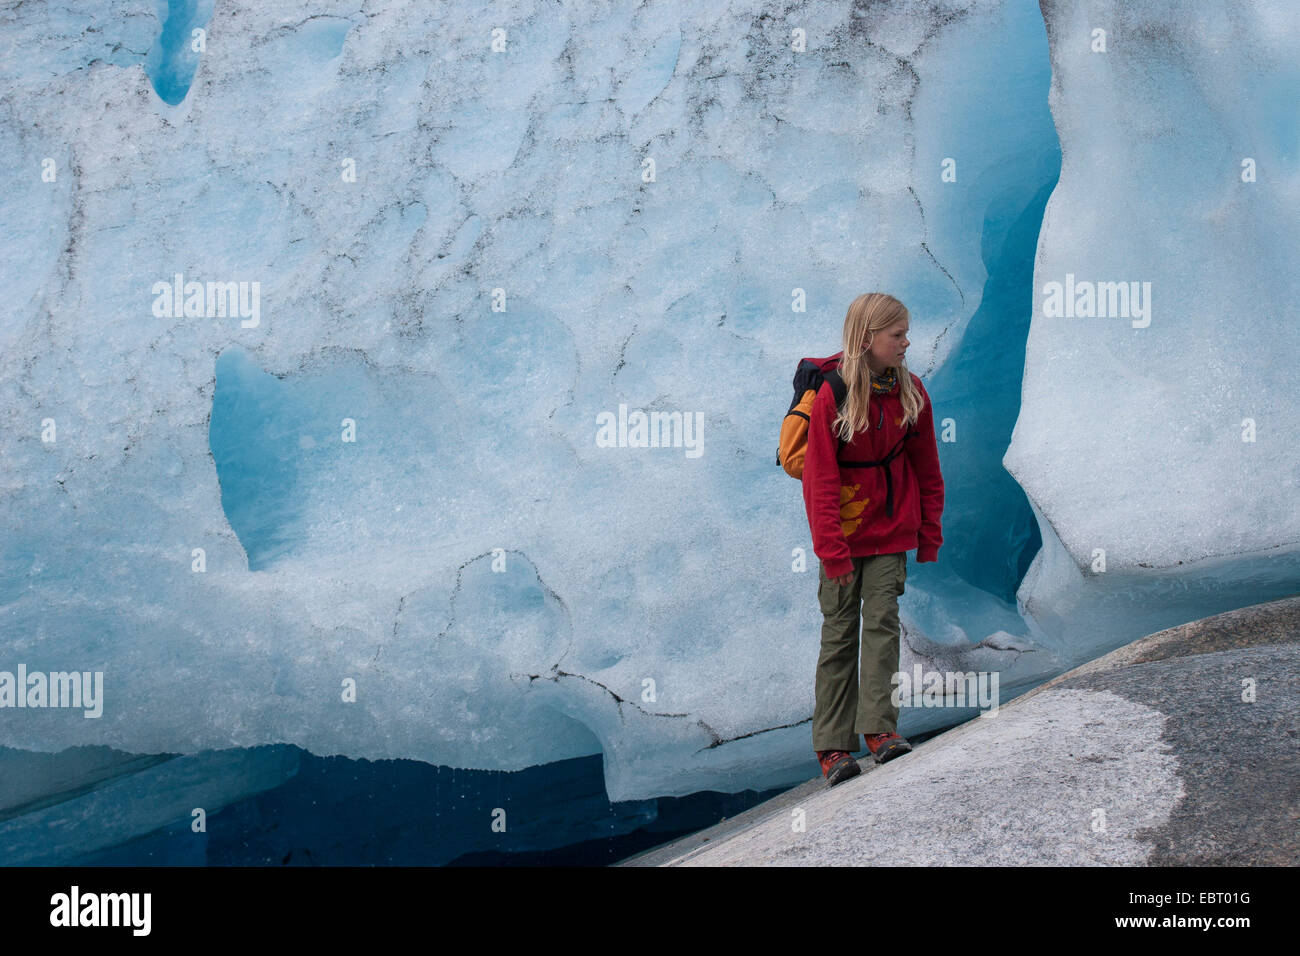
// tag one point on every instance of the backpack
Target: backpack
(808, 378)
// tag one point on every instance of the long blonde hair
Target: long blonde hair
(868, 314)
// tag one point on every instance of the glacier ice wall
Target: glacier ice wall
(502, 590)
(53, 806)
(1159, 449)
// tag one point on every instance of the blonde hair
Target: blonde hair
(868, 314)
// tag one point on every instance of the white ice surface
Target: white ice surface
(476, 429)
(1131, 440)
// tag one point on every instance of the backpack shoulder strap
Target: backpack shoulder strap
(840, 389)
(837, 384)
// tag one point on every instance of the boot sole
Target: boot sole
(890, 751)
(846, 768)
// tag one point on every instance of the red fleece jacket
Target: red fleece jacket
(847, 505)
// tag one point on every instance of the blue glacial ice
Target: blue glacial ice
(502, 591)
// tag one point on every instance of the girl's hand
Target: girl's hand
(844, 579)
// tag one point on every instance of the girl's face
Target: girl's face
(888, 347)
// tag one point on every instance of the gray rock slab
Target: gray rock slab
(1181, 748)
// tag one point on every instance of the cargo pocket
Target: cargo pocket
(831, 597)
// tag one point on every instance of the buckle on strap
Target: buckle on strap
(889, 472)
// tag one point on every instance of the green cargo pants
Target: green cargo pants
(848, 704)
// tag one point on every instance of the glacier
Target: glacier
(378, 522)
(1160, 458)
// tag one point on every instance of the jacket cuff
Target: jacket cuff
(838, 567)
(926, 552)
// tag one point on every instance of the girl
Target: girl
(873, 491)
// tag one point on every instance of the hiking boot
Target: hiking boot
(887, 746)
(837, 766)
